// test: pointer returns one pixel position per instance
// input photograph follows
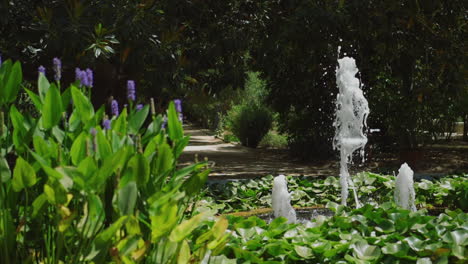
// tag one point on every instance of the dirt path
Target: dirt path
(233, 161)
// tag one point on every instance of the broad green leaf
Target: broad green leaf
(93, 216)
(13, 84)
(194, 184)
(24, 175)
(119, 125)
(186, 227)
(79, 149)
(39, 204)
(139, 167)
(127, 198)
(164, 160)
(43, 86)
(136, 120)
(174, 126)
(52, 108)
(184, 253)
(83, 106)
(364, 251)
(302, 251)
(5, 173)
(103, 147)
(163, 220)
(66, 98)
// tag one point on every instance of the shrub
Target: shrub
(250, 123)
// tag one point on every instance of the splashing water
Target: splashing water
(404, 188)
(352, 110)
(281, 200)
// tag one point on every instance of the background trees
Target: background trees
(411, 56)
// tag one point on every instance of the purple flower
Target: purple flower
(89, 74)
(115, 107)
(178, 105)
(139, 107)
(131, 90)
(77, 74)
(41, 69)
(106, 123)
(57, 69)
(85, 77)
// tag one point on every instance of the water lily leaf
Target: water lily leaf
(302, 251)
(364, 251)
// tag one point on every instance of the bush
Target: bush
(250, 123)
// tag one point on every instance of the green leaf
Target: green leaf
(52, 108)
(24, 175)
(194, 184)
(164, 160)
(119, 125)
(103, 146)
(127, 198)
(39, 204)
(79, 149)
(184, 253)
(186, 227)
(140, 169)
(5, 173)
(136, 120)
(83, 106)
(43, 86)
(13, 83)
(93, 216)
(304, 252)
(174, 126)
(163, 220)
(35, 99)
(364, 251)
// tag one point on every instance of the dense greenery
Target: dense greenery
(410, 55)
(448, 192)
(365, 235)
(72, 191)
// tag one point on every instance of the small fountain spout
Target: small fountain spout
(404, 188)
(281, 200)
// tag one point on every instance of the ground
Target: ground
(233, 161)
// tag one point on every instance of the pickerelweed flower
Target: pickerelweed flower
(178, 105)
(41, 69)
(131, 90)
(85, 77)
(89, 74)
(106, 123)
(139, 107)
(77, 74)
(57, 69)
(115, 107)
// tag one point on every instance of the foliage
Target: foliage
(408, 55)
(72, 192)
(171, 47)
(274, 140)
(451, 192)
(365, 235)
(250, 123)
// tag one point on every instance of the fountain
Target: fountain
(281, 199)
(404, 189)
(351, 113)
